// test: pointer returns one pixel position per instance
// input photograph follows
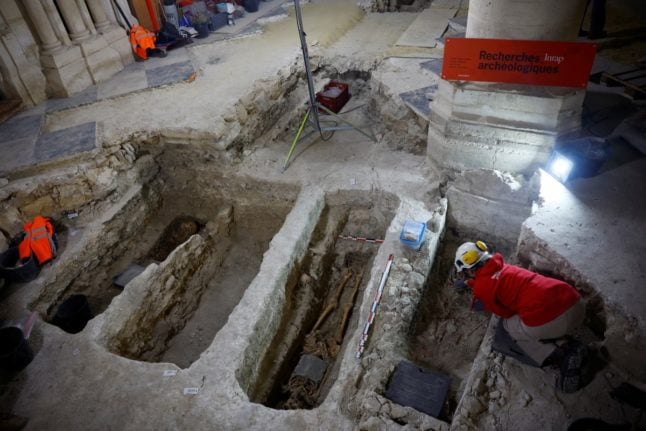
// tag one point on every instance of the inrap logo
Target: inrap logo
(561, 64)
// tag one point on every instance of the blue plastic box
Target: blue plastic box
(412, 233)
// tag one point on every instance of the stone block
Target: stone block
(113, 34)
(61, 58)
(93, 45)
(469, 129)
(26, 79)
(477, 198)
(463, 152)
(104, 64)
(19, 29)
(117, 39)
(69, 79)
(499, 126)
(508, 105)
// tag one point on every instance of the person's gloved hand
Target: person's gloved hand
(477, 305)
(460, 286)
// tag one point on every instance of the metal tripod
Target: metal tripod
(312, 115)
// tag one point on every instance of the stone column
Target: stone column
(116, 35)
(72, 16)
(85, 15)
(508, 127)
(49, 42)
(57, 21)
(21, 75)
(98, 14)
(513, 19)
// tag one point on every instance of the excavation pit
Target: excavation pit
(321, 298)
(203, 279)
(446, 333)
(200, 242)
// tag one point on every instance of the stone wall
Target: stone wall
(55, 51)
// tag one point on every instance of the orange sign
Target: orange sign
(534, 62)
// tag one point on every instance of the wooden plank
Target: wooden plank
(140, 10)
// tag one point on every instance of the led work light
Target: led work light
(559, 166)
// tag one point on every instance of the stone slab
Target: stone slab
(420, 100)
(20, 128)
(427, 27)
(66, 142)
(104, 64)
(123, 47)
(61, 58)
(93, 45)
(416, 387)
(114, 34)
(477, 198)
(173, 56)
(132, 78)
(312, 367)
(16, 153)
(89, 95)
(69, 79)
(442, 40)
(458, 24)
(170, 74)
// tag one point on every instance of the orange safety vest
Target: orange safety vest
(39, 240)
(141, 39)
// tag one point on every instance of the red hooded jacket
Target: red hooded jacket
(507, 290)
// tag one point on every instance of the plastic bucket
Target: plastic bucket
(170, 11)
(250, 5)
(15, 353)
(12, 269)
(73, 314)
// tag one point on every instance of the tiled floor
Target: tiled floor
(66, 142)
(22, 142)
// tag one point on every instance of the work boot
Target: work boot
(555, 359)
(570, 378)
(11, 422)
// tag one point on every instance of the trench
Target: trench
(322, 295)
(200, 242)
(446, 334)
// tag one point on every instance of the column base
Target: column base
(118, 39)
(499, 126)
(66, 72)
(102, 61)
(22, 79)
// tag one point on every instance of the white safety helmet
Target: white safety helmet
(469, 254)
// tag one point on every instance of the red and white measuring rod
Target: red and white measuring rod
(373, 309)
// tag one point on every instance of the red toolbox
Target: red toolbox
(334, 96)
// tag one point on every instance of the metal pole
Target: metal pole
(308, 71)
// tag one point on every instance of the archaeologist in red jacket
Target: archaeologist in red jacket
(534, 308)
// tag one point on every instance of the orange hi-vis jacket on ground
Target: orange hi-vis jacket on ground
(39, 240)
(141, 39)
